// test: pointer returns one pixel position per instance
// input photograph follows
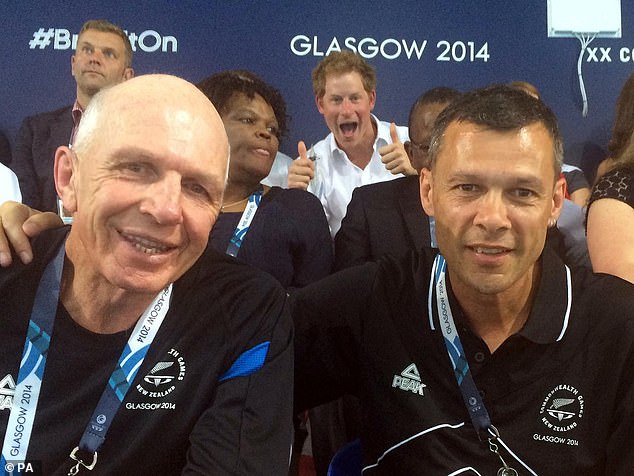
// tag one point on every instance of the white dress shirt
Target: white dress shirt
(336, 176)
(9, 187)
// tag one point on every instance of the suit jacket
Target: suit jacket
(34, 154)
(382, 218)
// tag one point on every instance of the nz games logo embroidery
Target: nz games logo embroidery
(162, 379)
(562, 408)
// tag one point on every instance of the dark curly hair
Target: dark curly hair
(221, 87)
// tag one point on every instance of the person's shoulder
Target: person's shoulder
(294, 198)
(395, 186)
(221, 271)
(617, 183)
(45, 246)
(606, 298)
(384, 194)
(383, 130)
(44, 117)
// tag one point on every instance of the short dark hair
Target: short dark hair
(342, 62)
(439, 95)
(107, 27)
(498, 108)
(221, 87)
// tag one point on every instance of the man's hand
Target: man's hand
(302, 170)
(394, 156)
(18, 224)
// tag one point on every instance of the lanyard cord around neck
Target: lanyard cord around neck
(245, 222)
(470, 393)
(33, 364)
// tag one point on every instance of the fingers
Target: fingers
(396, 160)
(302, 170)
(5, 251)
(38, 222)
(301, 150)
(12, 216)
(18, 224)
(394, 134)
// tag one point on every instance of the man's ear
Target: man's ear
(72, 65)
(65, 171)
(372, 99)
(426, 189)
(559, 195)
(319, 101)
(128, 73)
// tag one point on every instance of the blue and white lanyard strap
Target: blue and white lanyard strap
(33, 363)
(122, 377)
(470, 394)
(245, 222)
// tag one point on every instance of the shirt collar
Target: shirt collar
(549, 317)
(77, 112)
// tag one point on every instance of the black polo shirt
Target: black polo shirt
(560, 391)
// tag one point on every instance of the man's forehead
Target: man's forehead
(469, 140)
(458, 130)
(337, 77)
(97, 36)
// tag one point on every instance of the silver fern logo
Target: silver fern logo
(562, 408)
(157, 379)
(164, 376)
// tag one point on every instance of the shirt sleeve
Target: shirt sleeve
(352, 242)
(247, 427)
(313, 257)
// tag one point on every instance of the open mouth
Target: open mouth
(348, 128)
(149, 247)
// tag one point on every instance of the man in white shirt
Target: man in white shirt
(9, 188)
(360, 149)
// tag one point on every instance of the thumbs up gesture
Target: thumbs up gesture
(302, 170)
(394, 156)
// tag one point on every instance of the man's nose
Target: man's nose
(492, 212)
(346, 106)
(163, 201)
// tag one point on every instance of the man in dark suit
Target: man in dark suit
(388, 217)
(103, 58)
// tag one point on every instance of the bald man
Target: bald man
(123, 349)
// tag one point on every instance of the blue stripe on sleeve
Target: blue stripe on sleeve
(248, 362)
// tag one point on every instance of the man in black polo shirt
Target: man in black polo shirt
(492, 357)
(125, 344)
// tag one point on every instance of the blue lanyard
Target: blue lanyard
(468, 389)
(245, 222)
(33, 363)
(470, 394)
(29, 382)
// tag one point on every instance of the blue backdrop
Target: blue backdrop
(414, 45)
